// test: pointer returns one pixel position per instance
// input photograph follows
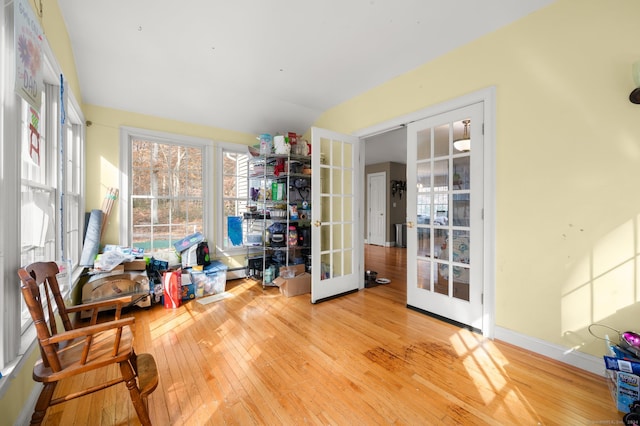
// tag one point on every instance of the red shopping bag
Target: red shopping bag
(172, 288)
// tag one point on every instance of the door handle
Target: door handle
(409, 224)
(317, 223)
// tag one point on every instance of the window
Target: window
(233, 179)
(46, 166)
(168, 188)
(72, 201)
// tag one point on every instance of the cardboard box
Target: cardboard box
(299, 284)
(135, 265)
(188, 291)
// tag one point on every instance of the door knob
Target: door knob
(317, 223)
(409, 224)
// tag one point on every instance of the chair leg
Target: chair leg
(130, 380)
(43, 403)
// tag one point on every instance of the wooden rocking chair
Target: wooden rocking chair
(78, 350)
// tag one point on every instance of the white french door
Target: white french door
(334, 212)
(444, 215)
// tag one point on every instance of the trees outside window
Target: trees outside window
(166, 192)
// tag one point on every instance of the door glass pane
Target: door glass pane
(461, 283)
(442, 284)
(461, 172)
(423, 177)
(325, 148)
(461, 210)
(347, 152)
(348, 236)
(348, 261)
(325, 180)
(441, 143)
(460, 246)
(337, 237)
(325, 266)
(459, 132)
(424, 145)
(336, 154)
(347, 207)
(424, 242)
(347, 188)
(441, 175)
(336, 210)
(336, 183)
(325, 238)
(425, 274)
(325, 209)
(336, 266)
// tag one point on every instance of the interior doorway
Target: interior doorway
(385, 158)
(486, 97)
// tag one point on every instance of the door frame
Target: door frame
(369, 176)
(488, 98)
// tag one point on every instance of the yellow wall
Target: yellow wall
(55, 31)
(567, 161)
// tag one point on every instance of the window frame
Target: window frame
(17, 338)
(127, 134)
(221, 148)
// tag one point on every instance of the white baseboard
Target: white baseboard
(569, 356)
(29, 405)
(236, 273)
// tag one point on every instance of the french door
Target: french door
(445, 215)
(334, 212)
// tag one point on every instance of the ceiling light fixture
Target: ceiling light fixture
(463, 144)
(634, 97)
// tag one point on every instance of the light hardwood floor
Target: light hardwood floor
(259, 358)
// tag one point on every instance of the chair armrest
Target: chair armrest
(89, 330)
(100, 304)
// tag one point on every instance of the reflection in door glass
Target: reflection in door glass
(441, 175)
(325, 266)
(461, 173)
(460, 246)
(424, 242)
(441, 144)
(461, 212)
(442, 282)
(423, 177)
(426, 272)
(461, 282)
(423, 149)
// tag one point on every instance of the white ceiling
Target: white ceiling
(262, 65)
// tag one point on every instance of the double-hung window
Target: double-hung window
(168, 194)
(43, 200)
(233, 187)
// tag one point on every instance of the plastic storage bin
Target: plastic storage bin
(211, 280)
